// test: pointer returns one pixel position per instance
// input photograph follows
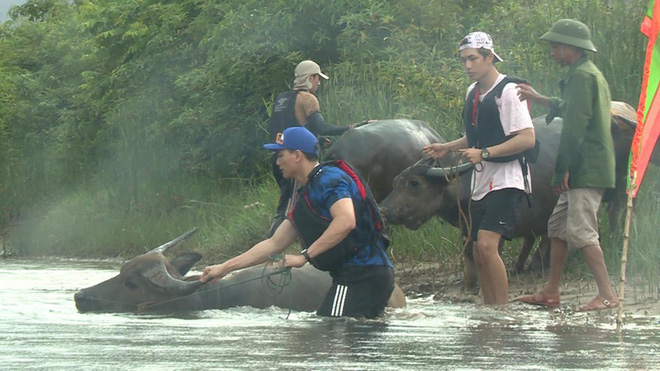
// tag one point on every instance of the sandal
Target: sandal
(598, 303)
(541, 298)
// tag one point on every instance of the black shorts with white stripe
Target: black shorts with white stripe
(358, 292)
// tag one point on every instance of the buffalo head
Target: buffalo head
(145, 280)
(422, 191)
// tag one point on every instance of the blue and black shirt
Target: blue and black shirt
(328, 183)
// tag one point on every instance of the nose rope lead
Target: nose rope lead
(462, 217)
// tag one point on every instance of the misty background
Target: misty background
(5, 5)
(125, 123)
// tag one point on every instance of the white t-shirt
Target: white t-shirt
(514, 116)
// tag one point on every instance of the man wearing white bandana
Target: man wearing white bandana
(498, 129)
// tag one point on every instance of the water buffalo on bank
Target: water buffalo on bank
(624, 123)
(382, 149)
(423, 191)
(152, 283)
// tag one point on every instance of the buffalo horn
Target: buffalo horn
(164, 247)
(425, 161)
(160, 277)
(441, 172)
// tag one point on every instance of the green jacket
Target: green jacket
(586, 149)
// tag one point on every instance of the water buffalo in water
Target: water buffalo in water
(382, 149)
(152, 283)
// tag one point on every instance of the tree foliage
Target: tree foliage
(127, 96)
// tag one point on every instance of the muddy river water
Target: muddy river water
(40, 329)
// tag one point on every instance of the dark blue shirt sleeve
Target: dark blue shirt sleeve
(335, 188)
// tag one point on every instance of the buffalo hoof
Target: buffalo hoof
(470, 277)
(471, 289)
(514, 272)
(471, 283)
(539, 266)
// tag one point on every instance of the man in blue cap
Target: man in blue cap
(339, 225)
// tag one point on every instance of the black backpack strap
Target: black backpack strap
(368, 198)
(508, 79)
(525, 171)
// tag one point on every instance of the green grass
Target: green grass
(237, 213)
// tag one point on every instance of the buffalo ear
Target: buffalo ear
(183, 262)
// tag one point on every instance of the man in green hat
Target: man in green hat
(585, 162)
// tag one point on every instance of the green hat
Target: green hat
(570, 32)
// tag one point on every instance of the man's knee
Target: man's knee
(578, 240)
(484, 249)
(556, 241)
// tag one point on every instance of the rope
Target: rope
(277, 287)
(462, 217)
(270, 286)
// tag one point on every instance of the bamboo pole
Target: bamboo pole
(624, 258)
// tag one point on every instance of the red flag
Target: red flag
(648, 111)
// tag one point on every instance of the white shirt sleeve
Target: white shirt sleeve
(514, 114)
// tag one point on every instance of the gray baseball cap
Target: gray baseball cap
(309, 68)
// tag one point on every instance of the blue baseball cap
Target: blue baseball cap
(295, 138)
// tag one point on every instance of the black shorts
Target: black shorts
(496, 212)
(358, 292)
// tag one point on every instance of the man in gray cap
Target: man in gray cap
(298, 107)
(585, 162)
